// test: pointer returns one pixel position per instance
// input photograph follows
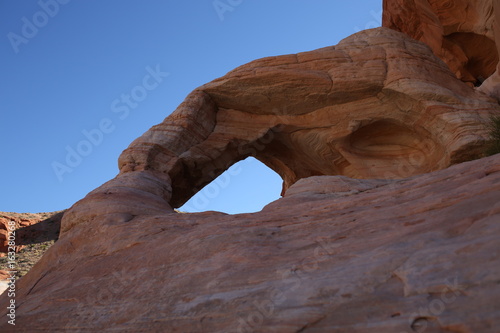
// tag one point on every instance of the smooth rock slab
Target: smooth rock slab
(388, 256)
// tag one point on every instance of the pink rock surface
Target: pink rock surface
(334, 255)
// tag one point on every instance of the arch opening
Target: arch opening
(246, 187)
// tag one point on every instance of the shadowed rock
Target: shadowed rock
(464, 33)
(461, 32)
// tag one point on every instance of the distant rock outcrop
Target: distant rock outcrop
(32, 234)
(28, 227)
(378, 230)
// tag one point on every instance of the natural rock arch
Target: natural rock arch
(246, 187)
(377, 105)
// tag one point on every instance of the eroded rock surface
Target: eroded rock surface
(461, 32)
(375, 233)
(491, 86)
(377, 105)
(334, 255)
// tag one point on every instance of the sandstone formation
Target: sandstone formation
(35, 230)
(461, 32)
(28, 227)
(375, 232)
(334, 255)
(377, 105)
(491, 86)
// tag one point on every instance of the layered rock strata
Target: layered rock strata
(464, 33)
(376, 232)
(336, 254)
(377, 105)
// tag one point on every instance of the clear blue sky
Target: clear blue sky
(65, 67)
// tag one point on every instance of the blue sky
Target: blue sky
(67, 65)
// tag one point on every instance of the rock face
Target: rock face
(377, 105)
(461, 32)
(491, 86)
(375, 233)
(27, 226)
(334, 255)
(32, 230)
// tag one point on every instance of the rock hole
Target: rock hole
(480, 51)
(426, 324)
(246, 187)
(419, 324)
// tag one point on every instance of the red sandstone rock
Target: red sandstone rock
(345, 253)
(362, 109)
(377, 105)
(461, 32)
(491, 86)
(28, 227)
(334, 255)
